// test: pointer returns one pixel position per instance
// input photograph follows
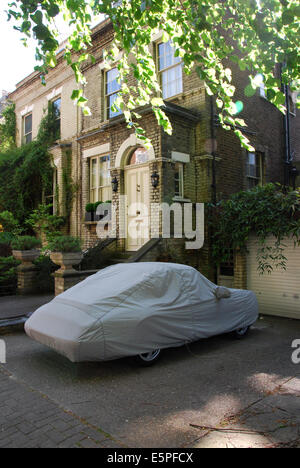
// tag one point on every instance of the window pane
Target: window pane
(104, 171)
(28, 124)
(57, 107)
(251, 165)
(172, 81)
(112, 85)
(166, 56)
(110, 100)
(178, 180)
(140, 156)
(94, 173)
(28, 138)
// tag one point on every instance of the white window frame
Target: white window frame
(180, 180)
(260, 163)
(166, 69)
(97, 188)
(58, 98)
(107, 96)
(24, 126)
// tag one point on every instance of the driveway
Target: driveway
(216, 392)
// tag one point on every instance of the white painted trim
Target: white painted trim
(108, 66)
(56, 162)
(96, 150)
(26, 110)
(180, 157)
(208, 156)
(54, 93)
(157, 36)
(131, 142)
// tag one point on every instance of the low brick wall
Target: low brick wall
(68, 278)
(27, 279)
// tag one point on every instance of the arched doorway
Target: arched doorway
(137, 190)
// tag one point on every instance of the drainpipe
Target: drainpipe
(212, 132)
(287, 140)
(213, 185)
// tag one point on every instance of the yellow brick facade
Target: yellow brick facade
(83, 138)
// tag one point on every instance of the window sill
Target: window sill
(181, 199)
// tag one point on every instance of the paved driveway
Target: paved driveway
(185, 400)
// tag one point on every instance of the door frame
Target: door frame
(127, 168)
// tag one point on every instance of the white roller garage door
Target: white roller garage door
(278, 293)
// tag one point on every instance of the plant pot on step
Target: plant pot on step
(26, 257)
(66, 260)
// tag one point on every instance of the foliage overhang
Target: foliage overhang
(253, 34)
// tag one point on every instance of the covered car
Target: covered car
(137, 309)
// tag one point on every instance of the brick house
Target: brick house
(199, 162)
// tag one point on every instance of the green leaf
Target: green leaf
(53, 10)
(249, 91)
(41, 32)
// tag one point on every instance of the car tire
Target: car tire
(240, 333)
(148, 359)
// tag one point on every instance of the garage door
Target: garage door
(278, 293)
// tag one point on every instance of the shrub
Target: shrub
(65, 244)
(25, 174)
(25, 243)
(89, 208)
(44, 279)
(44, 223)
(5, 240)
(269, 210)
(8, 275)
(9, 223)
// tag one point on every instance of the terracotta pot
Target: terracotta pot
(66, 260)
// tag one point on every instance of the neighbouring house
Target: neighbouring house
(3, 102)
(199, 162)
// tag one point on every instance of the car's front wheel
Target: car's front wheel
(147, 359)
(241, 332)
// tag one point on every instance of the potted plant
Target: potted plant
(89, 215)
(65, 252)
(26, 249)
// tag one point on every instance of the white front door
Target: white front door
(138, 214)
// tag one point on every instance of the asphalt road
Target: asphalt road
(202, 385)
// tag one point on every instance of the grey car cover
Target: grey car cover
(134, 308)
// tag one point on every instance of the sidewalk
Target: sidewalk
(29, 419)
(14, 310)
(12, 307)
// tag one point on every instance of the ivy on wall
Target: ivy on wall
(69, 187)
(266, 211)
(8, 128)
(26, 174)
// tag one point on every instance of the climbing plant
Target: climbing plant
(266, 211)
(69, 186)
(8, 128)
(48, 129)
(26, 172)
